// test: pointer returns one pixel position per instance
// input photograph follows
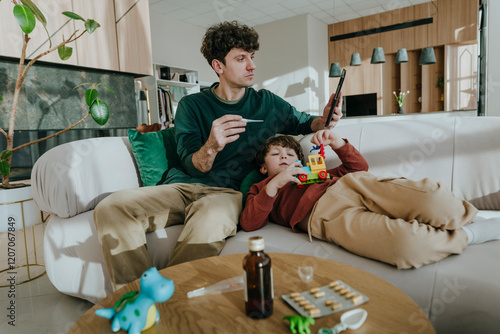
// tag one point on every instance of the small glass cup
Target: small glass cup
(306, 273)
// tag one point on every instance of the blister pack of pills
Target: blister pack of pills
(321, 301)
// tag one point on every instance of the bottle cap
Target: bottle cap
(256, 244)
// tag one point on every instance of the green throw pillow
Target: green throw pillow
(253, 177)
(155, 154)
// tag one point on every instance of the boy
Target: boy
(398, 221)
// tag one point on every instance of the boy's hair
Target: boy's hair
(223, 37)
(283, 141)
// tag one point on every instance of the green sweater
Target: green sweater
(193, 122)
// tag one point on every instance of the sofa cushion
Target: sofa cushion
(73, 177)
(476, 176)
(253, 177)
(155, 153)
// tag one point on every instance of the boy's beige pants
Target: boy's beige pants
(394, 220)
(209, 215)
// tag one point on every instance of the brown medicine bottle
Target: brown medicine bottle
(258, 276)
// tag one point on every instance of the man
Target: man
(216, 145)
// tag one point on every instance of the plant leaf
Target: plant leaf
(90, 96)
(74, 16)
(39, 16)
(82, 84)
(91, 25)
(65, 52)
(4, 168)
(5, 155)
(101, 84)
(1, 98)
(99, 112)
(25, 18)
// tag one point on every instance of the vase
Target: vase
(400, 110)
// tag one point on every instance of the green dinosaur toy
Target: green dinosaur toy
(300, 323)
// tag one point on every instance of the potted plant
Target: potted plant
(27, 14)
(400, 98)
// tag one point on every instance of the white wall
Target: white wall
(318, 62)
(292, 61)
(492, 63)
(177, 43)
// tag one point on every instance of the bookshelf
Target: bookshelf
(166, 77)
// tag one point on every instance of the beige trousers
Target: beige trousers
(398, 221)
(209, 215)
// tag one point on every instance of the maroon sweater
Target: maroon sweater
(292, 203)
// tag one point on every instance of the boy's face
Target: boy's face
(277, 159)
(238, 70)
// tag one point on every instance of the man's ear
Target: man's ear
(263, 169)
(217, 66)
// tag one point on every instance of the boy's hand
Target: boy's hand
(285, 177)
(327, 137)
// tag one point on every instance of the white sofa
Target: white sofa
(460, 294)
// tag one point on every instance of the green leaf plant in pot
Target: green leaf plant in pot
(27, 14)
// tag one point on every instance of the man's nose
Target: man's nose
(251, 65)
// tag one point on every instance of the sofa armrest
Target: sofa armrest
(72, 178)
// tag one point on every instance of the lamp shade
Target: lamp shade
(355, 59)
(334, 70)
(378, 56)
(427, 57)
(402, 56)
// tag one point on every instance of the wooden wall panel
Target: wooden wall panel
(12, 37)
(415, 79)
(454, 21)
(421, 32)
(102, 41)
(134, 40)
(354, 25)
(465, 23)
(408, 15)
(446, 29)
(122, 7)
(391, 40)
(437, 70)
(58, 25)
(390, 83)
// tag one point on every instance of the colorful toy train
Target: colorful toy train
(316, 168)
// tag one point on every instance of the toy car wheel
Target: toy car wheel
(302, 177)
(322, 175)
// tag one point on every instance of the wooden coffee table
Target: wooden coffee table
(389, 309)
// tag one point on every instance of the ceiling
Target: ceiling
(204, 13)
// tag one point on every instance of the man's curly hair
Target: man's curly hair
(283, 141)
(222, 37)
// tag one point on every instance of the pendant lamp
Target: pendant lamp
(402, 55)
(334, 67)
(378, 56)
(427, 56)
(335, 70)
(355, 59)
